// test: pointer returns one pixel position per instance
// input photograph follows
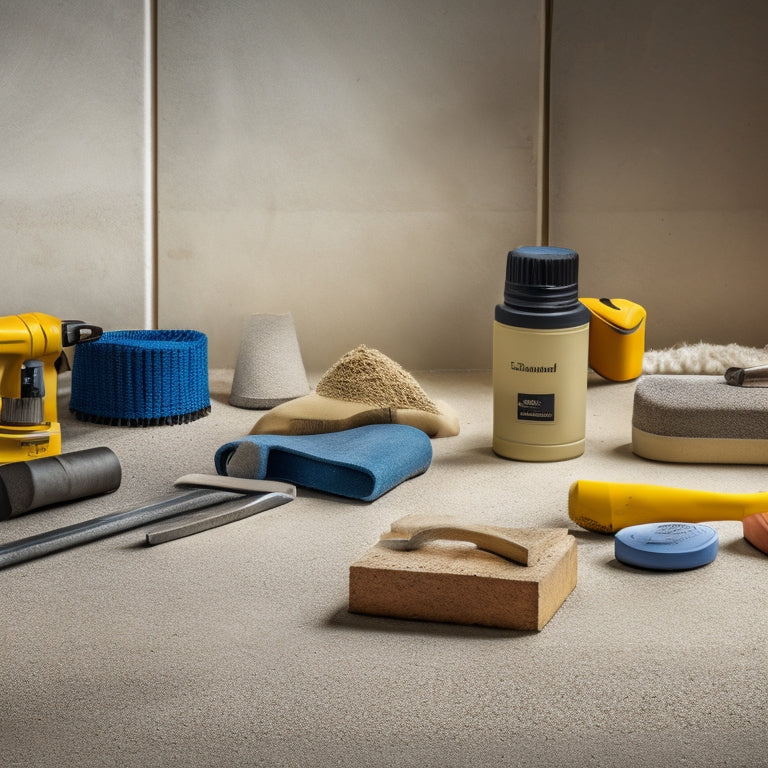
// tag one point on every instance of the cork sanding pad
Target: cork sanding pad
(699, 420)
(456, 582)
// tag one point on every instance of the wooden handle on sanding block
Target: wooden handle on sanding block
(484, 537)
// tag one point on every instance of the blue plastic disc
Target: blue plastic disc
(666, 546)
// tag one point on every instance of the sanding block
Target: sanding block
(451, 569)
(699, 419)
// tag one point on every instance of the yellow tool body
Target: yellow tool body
(616, 338)
(30, 346)
(608, 507)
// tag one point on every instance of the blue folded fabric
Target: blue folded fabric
(361, 463)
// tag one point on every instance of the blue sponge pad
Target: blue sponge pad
(361, 463)
(666, 546)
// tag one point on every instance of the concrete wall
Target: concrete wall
(366, 166)
(659, 160)
(72, 160)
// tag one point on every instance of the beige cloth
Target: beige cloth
(362, 387)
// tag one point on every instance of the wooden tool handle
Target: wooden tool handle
(484, 537)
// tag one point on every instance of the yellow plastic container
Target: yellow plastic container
(616, 338)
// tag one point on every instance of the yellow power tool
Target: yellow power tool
(31, 356)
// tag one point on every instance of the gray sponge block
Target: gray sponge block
(699, 419)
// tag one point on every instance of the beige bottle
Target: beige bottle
(540, 358)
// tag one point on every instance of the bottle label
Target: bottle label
(535, 407)
(514, 365)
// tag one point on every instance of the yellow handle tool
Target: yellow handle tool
(608, 507)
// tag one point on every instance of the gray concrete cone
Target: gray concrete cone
(269, 368)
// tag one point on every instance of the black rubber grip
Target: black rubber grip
(29, 485)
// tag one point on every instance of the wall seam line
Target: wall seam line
(151, 308)
(543, 149)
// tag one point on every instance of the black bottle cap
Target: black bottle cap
(541, 288)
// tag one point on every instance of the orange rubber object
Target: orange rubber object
(756, 530)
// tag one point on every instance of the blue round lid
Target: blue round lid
(666, 546)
